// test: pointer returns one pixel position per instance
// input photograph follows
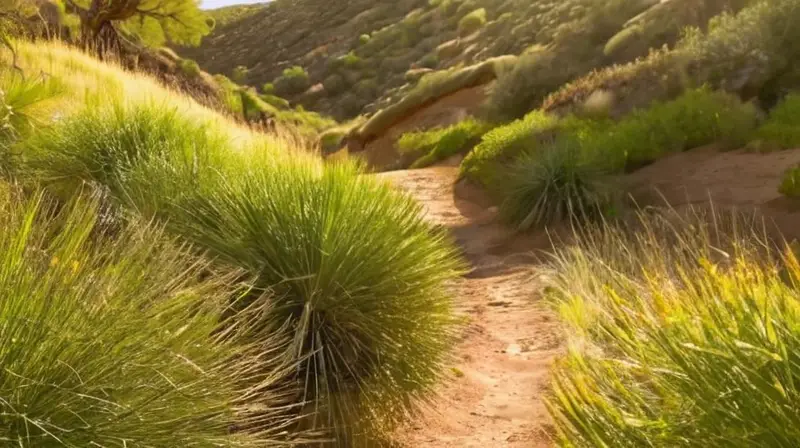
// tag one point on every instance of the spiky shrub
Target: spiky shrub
(554, 184)
(112, 342)
(783, 125)
(685, 333)
(359, 276)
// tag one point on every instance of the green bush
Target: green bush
(111, 342)
(532, 79)
(790, 184)
(783, 125)
(275, 101)
(351, 60)
(500, 145)
(696, 118)
(472, 22)
(240, 74)
(431, 60)
(367, 88)
(334, 84)
(743, 52)
(683, 334)
(189, 68)
(268, 88)
(439, 144)
(363, 39)
(230, 95)
(553, 184)
(353, 265)
(293, 81)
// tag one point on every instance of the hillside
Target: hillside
(354, 55)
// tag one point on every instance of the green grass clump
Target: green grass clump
(356, 270)
(502, 144)
(472, 22)
(783, 125)
(364, 39)
(114, 341)
(684, 333)
(439, 144)
(358, 276)
(275, 101)
(189, 68)
(554, 184)
(790, 185)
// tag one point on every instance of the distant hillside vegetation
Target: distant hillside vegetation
(346, 58)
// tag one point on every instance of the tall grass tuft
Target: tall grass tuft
(554, 184)
(358, 276)
(356, 271)
(116, 341)
(684, 333)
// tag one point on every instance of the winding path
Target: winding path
(494, 396)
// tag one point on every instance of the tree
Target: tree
(152, 21)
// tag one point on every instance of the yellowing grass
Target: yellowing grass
(89, 81)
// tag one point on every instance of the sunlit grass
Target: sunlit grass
(109, 337)
(683, 333)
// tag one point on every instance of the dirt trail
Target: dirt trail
(495, 390)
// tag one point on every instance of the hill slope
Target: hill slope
(356, 51)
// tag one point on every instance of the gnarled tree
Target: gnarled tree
(153, 21)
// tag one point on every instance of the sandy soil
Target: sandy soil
(495, 391)
(743, 180)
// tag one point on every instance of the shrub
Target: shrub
(351, 60)
(230, 95)
(240, 73)
(107, 340)
(268, 88)
(552, 184)
(430, 60)
(671, 342)
(353, 265)
(275, 101)
(363, 39)
(334, 84)
(783, 125)
(367, 88)
(346, 318)
(502, 144)
(293, 81)
(189, 68)
(439, 144)
(790, 185)
(696, 118)
(532, 79)
(472, 22)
